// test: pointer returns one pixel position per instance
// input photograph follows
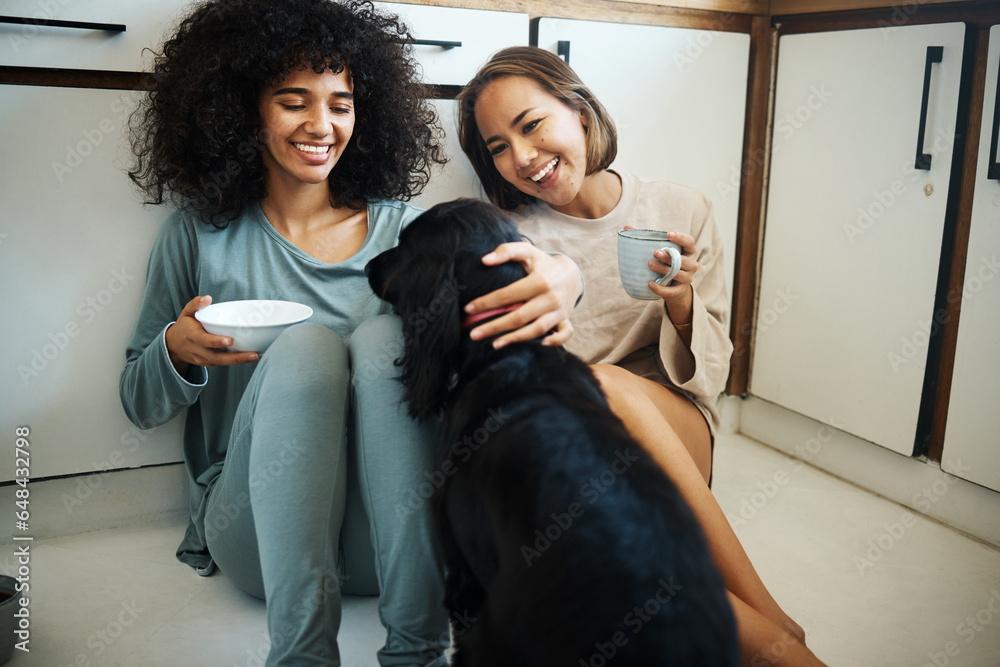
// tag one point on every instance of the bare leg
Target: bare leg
(651, 429)
(686, 420)
(764, 643)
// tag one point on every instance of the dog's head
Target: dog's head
(435, 270)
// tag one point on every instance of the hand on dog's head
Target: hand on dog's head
(435, 270)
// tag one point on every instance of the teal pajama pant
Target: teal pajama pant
(316, 490)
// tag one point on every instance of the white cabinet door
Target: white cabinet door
(972, 436)
(853, 231)
(678, 99)
(478, 34)
(74, 243)
(42, 44)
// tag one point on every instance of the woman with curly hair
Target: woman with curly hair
(286, 133)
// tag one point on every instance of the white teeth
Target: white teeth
(545, 170)
(311, 149)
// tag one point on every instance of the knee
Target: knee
(381, 333)
(375, 346)
(303, 344)
(307, 353)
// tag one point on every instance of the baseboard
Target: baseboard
(915, 483)
(82, 503)
(729, 412)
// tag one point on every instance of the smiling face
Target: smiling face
(306, 121)
(537, 142)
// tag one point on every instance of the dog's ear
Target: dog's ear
(381, 271)
(429, 302)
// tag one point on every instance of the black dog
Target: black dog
(563, 544)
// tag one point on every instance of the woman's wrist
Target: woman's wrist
(179, 365)
(681, 311)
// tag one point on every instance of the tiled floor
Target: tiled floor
(871, 583)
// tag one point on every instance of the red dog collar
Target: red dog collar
(470, 320)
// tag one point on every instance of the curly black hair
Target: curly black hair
(193, 137)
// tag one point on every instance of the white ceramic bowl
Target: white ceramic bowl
(253, 324)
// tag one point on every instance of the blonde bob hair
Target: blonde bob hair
(556, 78)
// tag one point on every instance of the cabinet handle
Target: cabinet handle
(993, 170)
(562, 50)
(934, 54)
(437, 42)
(53, 23)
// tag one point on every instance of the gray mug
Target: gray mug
(635, 249)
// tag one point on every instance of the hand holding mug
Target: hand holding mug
(650, 261)
(679, 288)
(645, 277)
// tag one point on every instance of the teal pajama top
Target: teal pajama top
(247, 260)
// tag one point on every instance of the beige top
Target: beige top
(612, 328)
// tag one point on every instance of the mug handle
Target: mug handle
(675, 266)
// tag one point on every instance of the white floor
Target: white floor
(872, 583)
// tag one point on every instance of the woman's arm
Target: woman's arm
(678, 296)
(151, 389)
(694, 344)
